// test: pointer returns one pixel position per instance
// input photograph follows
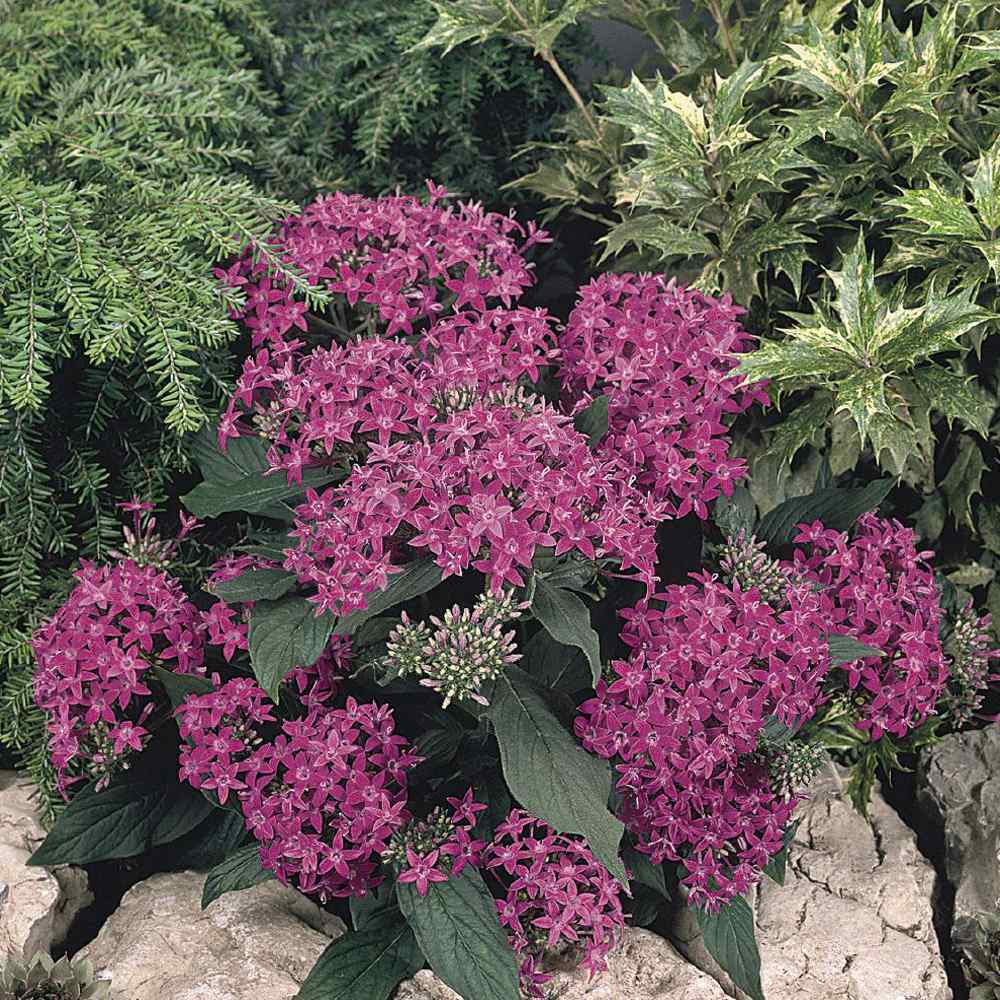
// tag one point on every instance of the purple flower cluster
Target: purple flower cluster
(557, 895)
(396, 262)
(323, 796)
(93, 658)
(665, 356)
(448, 457)
(682, 718)
(882, 592)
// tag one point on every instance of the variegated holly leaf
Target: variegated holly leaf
(870, 352)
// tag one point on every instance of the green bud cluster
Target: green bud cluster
(970, 668)
(744, 561)
(460, 652)
(421, 836)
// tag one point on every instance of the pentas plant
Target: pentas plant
(439, 684)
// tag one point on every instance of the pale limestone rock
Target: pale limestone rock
(853, 920)
(37, 905)
(645, 967)
(960, 793)
(257, 944)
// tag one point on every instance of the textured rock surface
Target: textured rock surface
(853, 920)
(258, 944)
(36, 905)
(645, 967)
(960, 792)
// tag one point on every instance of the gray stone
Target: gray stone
(959, 792)
(644, 967)
(853, 920)
(37, 905)
(257, 944)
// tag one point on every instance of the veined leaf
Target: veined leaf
(550, 774)
(652, 230)
(941, 214)
(567, 619)
(964, 481)
(122, 821)
(954, 397)
(729, 938)
(364, 965)
(411, 581)
(457, 929)
(985, 187)
(836, 508)
(285, 634)
(240, 870)
(255, 585)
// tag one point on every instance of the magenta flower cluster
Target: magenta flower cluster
(397, 262)
(665, 356)
(94, 656)
(557, 895)
(323, 796)
(449, 460)
(682, 719)
(444, 443)
(883, 593)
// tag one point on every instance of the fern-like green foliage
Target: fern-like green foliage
(126, 134)
(361, 107)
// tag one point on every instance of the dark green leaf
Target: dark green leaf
(775, 868)
(179, 686)
(593, 421)
(729, 938)
(550, 774)
(243, 457)
(240, 870)
(567, 619)
(847, 649)
(645, 872)
(414, 579)
(375, 907)
(458, 931)
(255, 585)
(122, 821)
(836, 508)
(254, 493)
(223, 831)
(285, 634)
(364, 965)
(563, 668)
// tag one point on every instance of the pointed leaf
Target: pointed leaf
(836, 508)
(254, 494)
(567, 619)
(593, 421)
(179, 686)
(122, 821)
(847, 649)
(457, 929)
(364, 965)
(729, 937)
(411, 581)
(241, 870)
(285, 634)
(550, 774)
(255, 585)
